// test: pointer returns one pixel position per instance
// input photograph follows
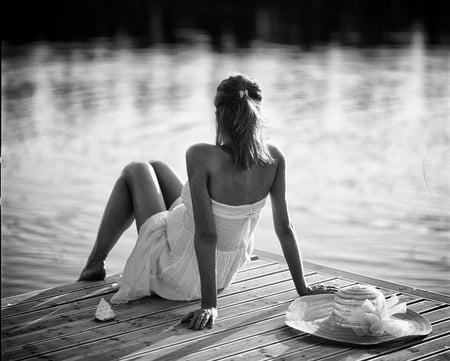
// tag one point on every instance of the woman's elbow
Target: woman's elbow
(285, 232)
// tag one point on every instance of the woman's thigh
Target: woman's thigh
(145, 191)
(169, 181)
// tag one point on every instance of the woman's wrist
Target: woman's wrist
(208, 304)
(303, 290)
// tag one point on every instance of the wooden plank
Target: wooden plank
(34, 318)
(421, 349)
(162, 338)
(438, 356)
(48, 293)
(83, 314)
(59, 324)
(109, 288)
(95, 331)
(12, 300)
(239, 326)
(29, 337)
(136, 318)
(72, 312)
(184, 347)
(361, 278)
(202, 349)
(313, 348)
(438, 315)
(424, 306)
(256, 347)
(58, 300)
(84, 285)
(279, 332)
(29, 300)
(150, 304)
(440, 329)
(62, 326)
(257, 263)
(280, 343)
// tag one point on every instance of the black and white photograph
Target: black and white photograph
(225, 180)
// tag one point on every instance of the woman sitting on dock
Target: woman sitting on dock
(193, 239)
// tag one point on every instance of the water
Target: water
(365, 132)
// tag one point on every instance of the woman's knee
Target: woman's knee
(158, 164)
(164, 171)
(168, 180)
(136, 169)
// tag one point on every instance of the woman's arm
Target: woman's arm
(286, 233)
(205, 237)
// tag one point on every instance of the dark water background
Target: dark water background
(365, 129)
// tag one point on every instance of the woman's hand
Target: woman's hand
(200, 318)
(319, 289)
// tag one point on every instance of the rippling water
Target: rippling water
(365, 132)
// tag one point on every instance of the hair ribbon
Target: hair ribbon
(242, 92)
(375, 318)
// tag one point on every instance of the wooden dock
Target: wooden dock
(59, 323)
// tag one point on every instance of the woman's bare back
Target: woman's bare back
(235, 187)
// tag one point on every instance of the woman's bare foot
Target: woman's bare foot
(93, 273)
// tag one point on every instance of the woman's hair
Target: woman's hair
(239, 123)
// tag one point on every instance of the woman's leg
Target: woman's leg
(136, 195)
(169, 181)
(117, 217)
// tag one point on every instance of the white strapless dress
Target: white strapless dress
(164, 262)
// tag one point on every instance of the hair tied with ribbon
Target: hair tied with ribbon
(242, 92)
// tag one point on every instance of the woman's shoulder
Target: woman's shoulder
(200, 147)
(275, 151)
(202, 154)
(200, 150)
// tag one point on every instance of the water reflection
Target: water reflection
(365, 132)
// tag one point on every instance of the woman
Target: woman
(194, 238)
